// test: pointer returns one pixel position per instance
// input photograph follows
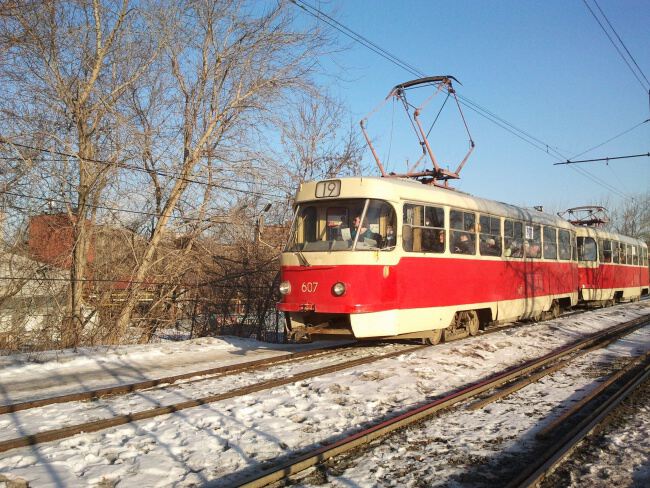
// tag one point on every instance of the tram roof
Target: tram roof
(408, 190)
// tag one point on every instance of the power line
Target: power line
(113, 209)
(611, 139)
(267, 196)
(151, 283)
(622, 43)
(645, 88)
(646, 155)
(482, 111)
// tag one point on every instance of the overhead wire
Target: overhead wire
(112, 209)
(612, 158)
(644, 86)
(267, 196)
(622, 43)
(482, 111)
(610, 139)
(478, 109)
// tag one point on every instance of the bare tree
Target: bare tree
(70, 64)
(633, 218)
(231, 63)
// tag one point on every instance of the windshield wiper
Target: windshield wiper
(302, 258)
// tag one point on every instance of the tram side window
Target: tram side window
(616, 255)
(587, 249)
(605, 251)
(565, 245)
(423, 229)
(513, 233)
(574, 247)
(533, 242)
(621, 253)
(645, 257)
(635, 256)
(490, 236)
(550, 243)
(463, 232)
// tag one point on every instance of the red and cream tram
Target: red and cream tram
(612, 268)
(391, 257)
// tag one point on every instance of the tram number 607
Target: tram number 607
(309, 286)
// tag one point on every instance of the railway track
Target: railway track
(97, 425)
(202, 374)
(291, 466)
(169, 380)
(563, 435)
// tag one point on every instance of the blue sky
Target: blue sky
(544, 66)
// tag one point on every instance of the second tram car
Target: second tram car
(391, 257)
(612, 268)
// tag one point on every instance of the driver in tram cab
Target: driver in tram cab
(357, 228)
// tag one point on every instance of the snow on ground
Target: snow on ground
(222, 441)
(59, 372)
(465, 448)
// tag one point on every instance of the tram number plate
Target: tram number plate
(328, 188)
(309, 286)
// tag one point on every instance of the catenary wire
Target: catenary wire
(113, 209)
(622, 43)
(645, 88)
(482, 111)
(609, 140)
(268, 196)
(573, 161)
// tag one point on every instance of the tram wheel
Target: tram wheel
(554, 311)
(469, 321)
(434, 339)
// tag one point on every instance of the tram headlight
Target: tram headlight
(338, 289)
(285, 288)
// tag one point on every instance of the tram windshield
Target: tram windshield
(343, 225)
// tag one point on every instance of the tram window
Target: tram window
(565, 245)
(463, 233)
(329, 226)
(606, 251)
(490, 236)
(616, 253)
(533, 242)
(635, 256)
(574, 247)
(423, 229)
(550, 243)
(645, 257)
(336, 219)
(587, 249)
(619, 255)
(309, 224)
(513, 233)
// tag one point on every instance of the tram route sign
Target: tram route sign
(328, 189)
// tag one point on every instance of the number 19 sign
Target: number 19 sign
(328, 188)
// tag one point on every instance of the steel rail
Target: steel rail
(97, 425)
(561, 449)
(312, 458)
(143, 385)
(222, 370)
